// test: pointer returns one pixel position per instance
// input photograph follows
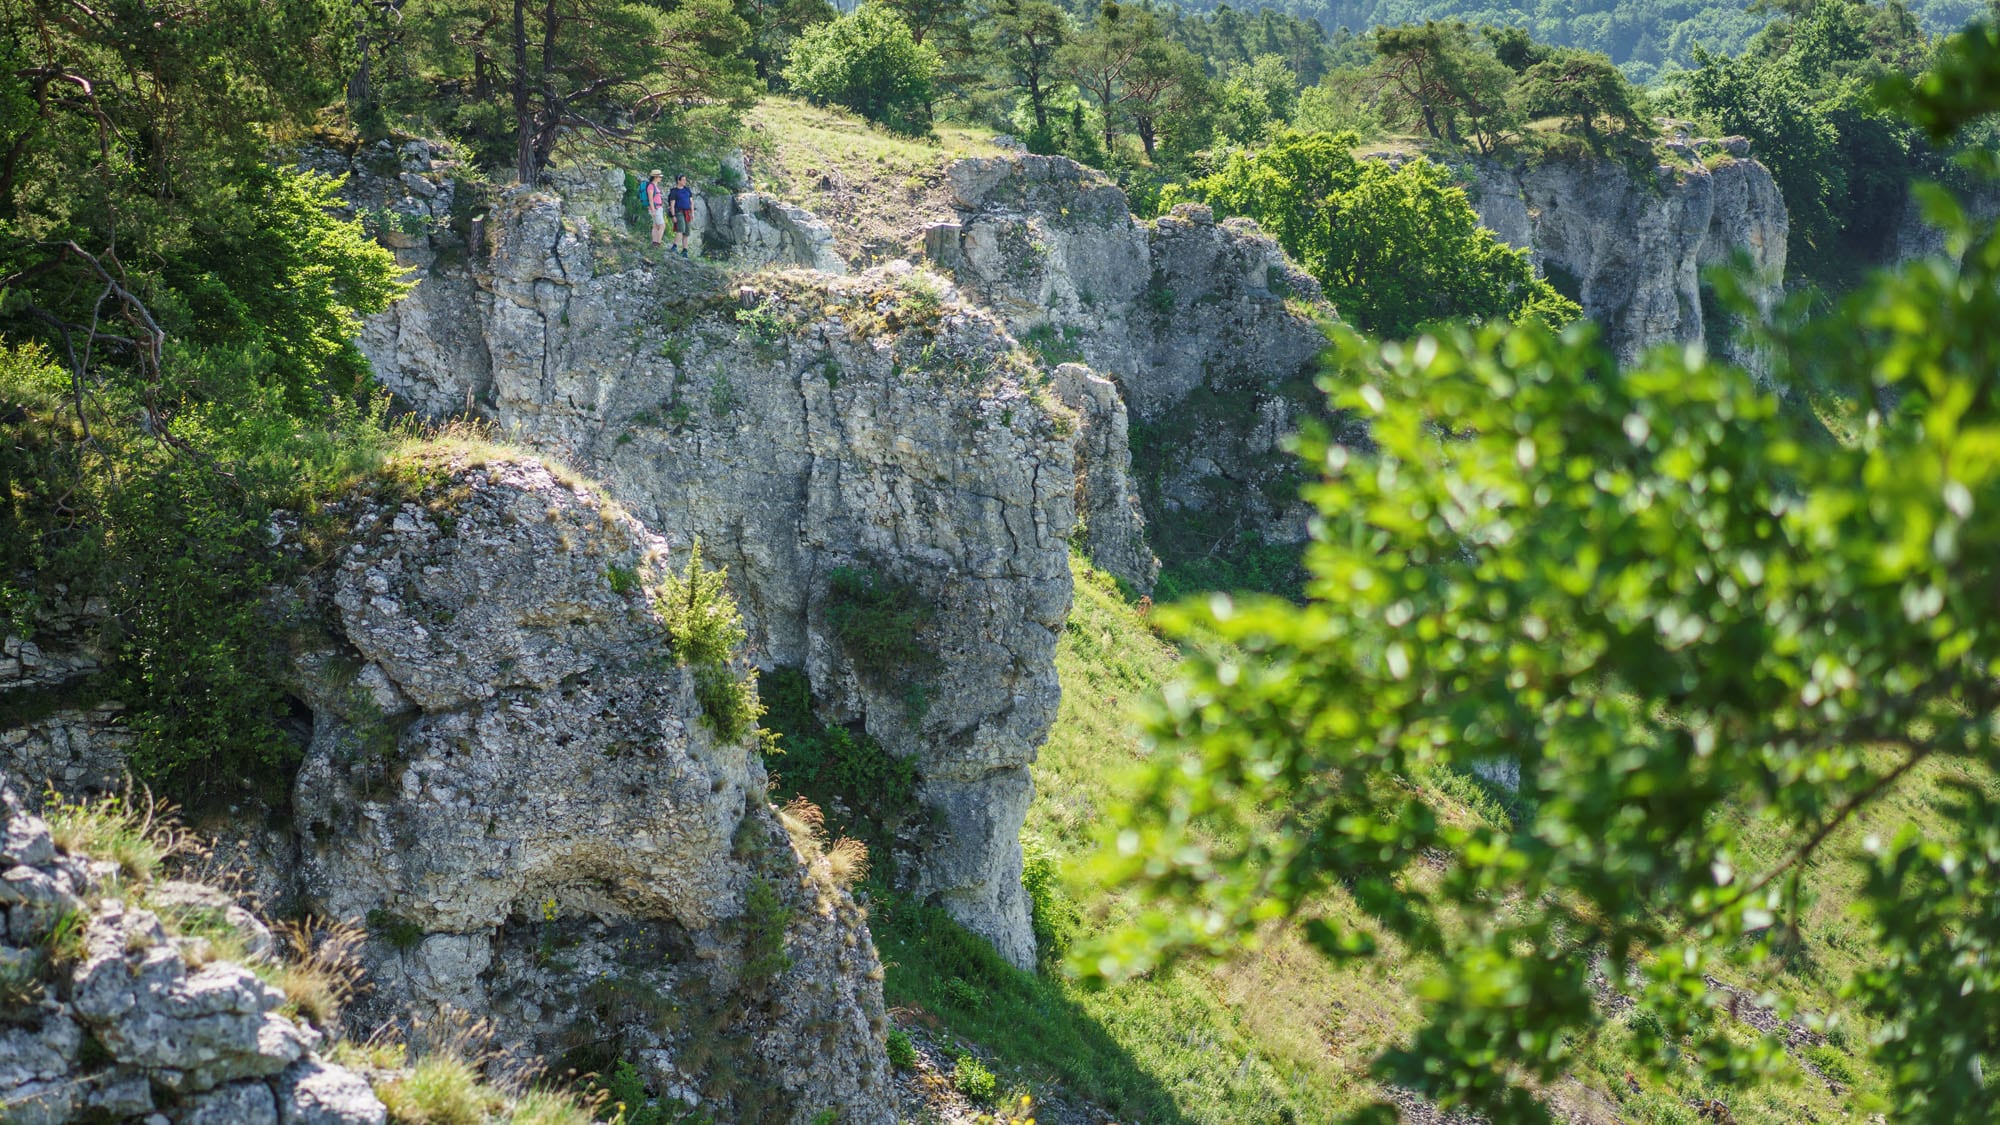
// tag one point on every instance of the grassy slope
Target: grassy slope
(1273, 1032)
(877, 190)
(1277, 1029)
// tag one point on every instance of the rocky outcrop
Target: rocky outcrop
(415, 197)
(1631, 247)
(1162, 308)
(755, 230)
(107, 1013)
(1913, 237)
(56, 735)
(798, 424)
(1208, 332)
(1107, 506)
(512, 781)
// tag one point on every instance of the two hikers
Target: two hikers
(680, 200)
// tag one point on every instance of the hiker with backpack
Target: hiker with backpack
(656, 205)
(681, 199)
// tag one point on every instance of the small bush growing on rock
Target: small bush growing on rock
(972, 1078)
(902, 1053)
(704, 632)
(765, 919)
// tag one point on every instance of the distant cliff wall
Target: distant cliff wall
(1631, 247)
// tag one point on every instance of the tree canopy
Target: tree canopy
(869, 62)
(1699, 634)
(1395, 246)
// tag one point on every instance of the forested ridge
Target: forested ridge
(1642, 36)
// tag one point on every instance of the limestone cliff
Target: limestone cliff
(109, 1013)
(1162, 308)
(512, 781)
(1630, 246)
(1208, 333)
(515, 787)
(797, 424)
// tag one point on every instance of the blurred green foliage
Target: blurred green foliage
(1693, 621)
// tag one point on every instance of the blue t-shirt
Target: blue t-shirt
(681, 199)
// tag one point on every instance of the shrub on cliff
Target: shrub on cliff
(1395, 247)
(704, 632)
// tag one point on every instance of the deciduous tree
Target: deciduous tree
(1395, 247)
(869, 62)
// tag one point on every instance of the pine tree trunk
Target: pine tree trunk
(524, 114)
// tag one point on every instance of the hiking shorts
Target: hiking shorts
(683, 222)
(659, 215)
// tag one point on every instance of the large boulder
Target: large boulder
(514, 783)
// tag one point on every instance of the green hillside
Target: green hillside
(1279, 1028)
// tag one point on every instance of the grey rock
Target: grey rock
(765, 231)
(205, 901)
(1636, 249)
(557, 770)
(834, 427)
(313, 1093)
(1160, 308)
(1107, 507)
(123, 1093)
(207, 1038)
(240, 1103)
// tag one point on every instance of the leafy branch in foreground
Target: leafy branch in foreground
(1708, 637)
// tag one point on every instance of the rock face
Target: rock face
(1631, 249)
(414, 201)
(1161, 308)
(758, 230)
(1208, 333)
(517, 787)
(1113, 530)
(104, 1014)
(797, 424)
(1915, 238)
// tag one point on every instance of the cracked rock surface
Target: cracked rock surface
(515, 785)
(104, 1014)
(798, 423)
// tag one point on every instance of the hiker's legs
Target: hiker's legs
(659, 226)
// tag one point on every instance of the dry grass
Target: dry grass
(323, 971)
(841, 863)
(448, 1082)
(136, 831)
(876, 189)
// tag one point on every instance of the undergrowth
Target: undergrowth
(863, 790)
(883, 624)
